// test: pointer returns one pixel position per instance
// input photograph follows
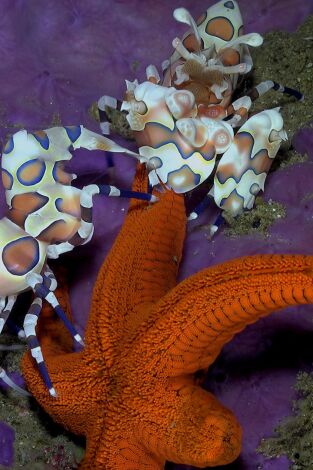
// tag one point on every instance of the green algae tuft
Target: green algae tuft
(286, 59)
(255, 221)
(39, 442)
(294, 436)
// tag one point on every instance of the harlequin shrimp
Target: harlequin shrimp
(46, 217)
(184, 143)
(165, 123)
(208, 61)
(180, 146)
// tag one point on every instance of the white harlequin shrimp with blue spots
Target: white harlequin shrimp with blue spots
(208, 61)
(46, 217)
(179, 148)
(183, 121)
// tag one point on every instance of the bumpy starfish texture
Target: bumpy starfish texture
(132, 390)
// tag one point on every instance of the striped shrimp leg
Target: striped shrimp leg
(37, 283)
(104, 103)
(15, 329)
(30, 323)
(239, 109)
(49, 278)
(6, 379)
(42, 286)
(267, 85)
(208, 199)
(5, 309)
(85, 232)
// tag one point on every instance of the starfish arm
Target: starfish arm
(203, 313)
(124, 452)
(77, 404)
(141, 268)
(188, 425)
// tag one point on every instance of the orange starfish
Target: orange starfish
(132, 390)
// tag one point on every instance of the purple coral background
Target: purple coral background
(58, 58)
